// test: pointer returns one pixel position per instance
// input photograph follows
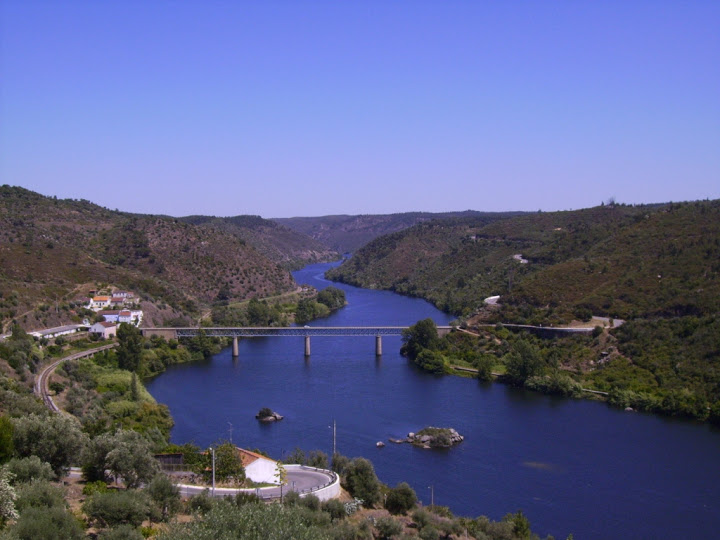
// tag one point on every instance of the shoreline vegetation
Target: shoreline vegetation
(114, 426)
(591, 366)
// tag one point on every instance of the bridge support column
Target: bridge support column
(236, 351)
(307, 345)
(378, 345)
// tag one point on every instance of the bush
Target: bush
(388, 527)
(39, 494)
(361, 481)
(311, 502)
(91, 488)
(54, 523)
(30, 468)
(165, 495)
(200, 503)
(401, 499)
(335, 508)
(118, 508)
(123, 532)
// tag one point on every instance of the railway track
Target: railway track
(41, 382)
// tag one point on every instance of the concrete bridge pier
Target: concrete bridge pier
(378, 345)
(236, 351)
(307, 345)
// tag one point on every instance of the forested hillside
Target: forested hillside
(54, 251)
(616, 260)
(278, 243)
(347, 234)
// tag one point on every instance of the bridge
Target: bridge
(293, 331)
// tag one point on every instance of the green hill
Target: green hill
(54, 251)
(616, 260)
(278, 243)
(347, 234)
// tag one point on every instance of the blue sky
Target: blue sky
(301, 108)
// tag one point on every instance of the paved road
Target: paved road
(300, 479)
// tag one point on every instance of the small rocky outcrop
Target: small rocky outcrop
(434, 437)
(268, 415)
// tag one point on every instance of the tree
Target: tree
(30, 468)
(56, 439)
(361, 481)
(7, 497)
(165, 495)
(388, 527)
(228, 464)
(94, 457)
(523, 362)
(484, 366)
(117, 508)
(129, 351)
(7, 448)
(401, 499)
(131, 458)
(421, 335)
(54, 523)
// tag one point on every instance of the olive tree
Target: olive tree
(56, 439)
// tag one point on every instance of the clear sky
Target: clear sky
(300, 108)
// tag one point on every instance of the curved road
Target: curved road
(41, 383)
(299, 478)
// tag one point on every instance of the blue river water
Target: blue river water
(571, 466)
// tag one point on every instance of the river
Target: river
(571, 466)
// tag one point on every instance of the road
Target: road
(41, 382)
(299, 478)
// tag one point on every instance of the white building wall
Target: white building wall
(262, 470)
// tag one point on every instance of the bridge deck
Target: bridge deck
(295, 331)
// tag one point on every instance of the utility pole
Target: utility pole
(230, 424)
(213, 471)
(432, 495)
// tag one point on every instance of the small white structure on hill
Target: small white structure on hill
(259, 468)
(104, 329)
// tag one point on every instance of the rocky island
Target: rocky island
(268, 415)
(433, 437)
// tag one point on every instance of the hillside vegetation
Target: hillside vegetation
(347, 234)
(53, 251)
(280, 244)
(616, 260)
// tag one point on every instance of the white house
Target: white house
(125, 316)
(104, 329)
(259, 468)
(99, 302)
(110, 315)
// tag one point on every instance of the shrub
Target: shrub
(335, 508)
(361, 481)
(401, 499)
(388, 527)
(39, 494)
(54, 523)
(117, 508)
(30, 468)
(123, 532)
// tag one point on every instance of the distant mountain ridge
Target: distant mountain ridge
(277, 242)
(348, 233)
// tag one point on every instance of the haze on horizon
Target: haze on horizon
(315, 108)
